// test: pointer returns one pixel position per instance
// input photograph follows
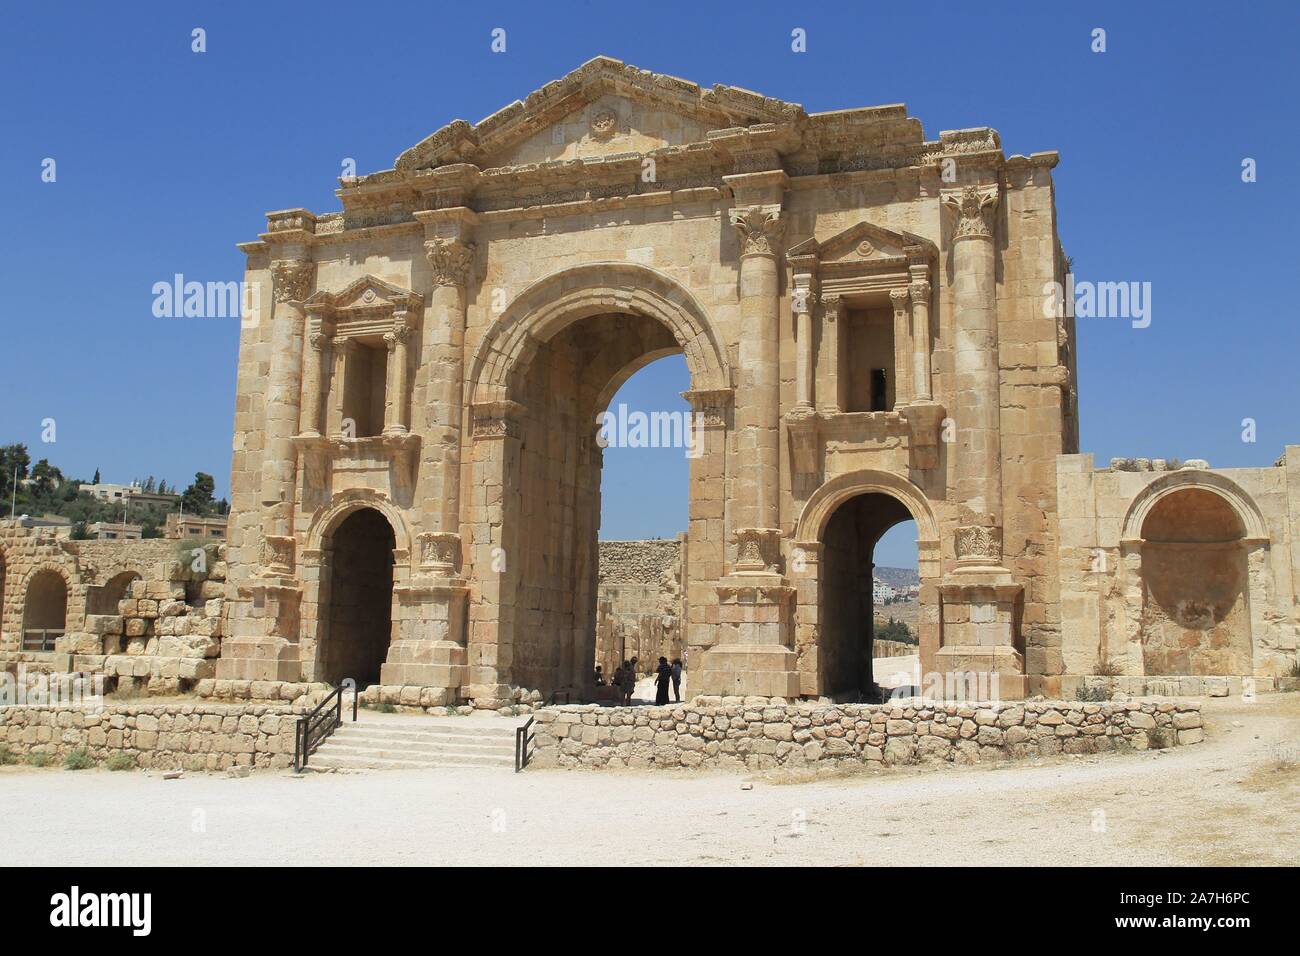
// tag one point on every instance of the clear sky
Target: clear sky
(165, 158)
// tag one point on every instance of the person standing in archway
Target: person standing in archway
(677, 680)
(663, 677)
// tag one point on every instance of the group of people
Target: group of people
(666, 676)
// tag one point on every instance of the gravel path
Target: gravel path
(1221, 802)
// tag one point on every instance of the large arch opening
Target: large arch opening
(647, 445)
(556, 510)
(45, 611)
(1195, 609)
(356, 603)
(868, 632)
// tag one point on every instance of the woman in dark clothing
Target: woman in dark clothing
(677, 680)
(663, 680)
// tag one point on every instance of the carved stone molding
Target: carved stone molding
(805, 457)
(925, 423)
(978, 543)
(920, 290)
(760, 229)
(710, 405)
(497, 419)
(450, 259)
(757, 549)
(319, 341)
(292, 279)
(439, 551)
(900, 298)
(832, 307)
(974, 209)
(277, 554)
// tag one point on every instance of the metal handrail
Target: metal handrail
(523, 738)
(312, 730)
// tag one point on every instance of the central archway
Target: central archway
(543, 373)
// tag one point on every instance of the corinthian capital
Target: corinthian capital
(451, 260)
(974, 211)
(292, 279)
(760, 229)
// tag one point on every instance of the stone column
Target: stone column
(830, 395)
(981, 602)
(975, 359)
(311, 423)
(752, 654)
(396, 386)
(921, 369)
(902, 302)
(801, 301)
(431, 649)
(292, 280)
(759, 229)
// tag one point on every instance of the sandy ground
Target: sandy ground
(1232, 800)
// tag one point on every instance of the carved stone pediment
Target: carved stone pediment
(366, 294)
(866, 246)
(604, 107)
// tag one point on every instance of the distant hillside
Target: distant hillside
(897, 577)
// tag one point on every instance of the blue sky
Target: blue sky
(167, 158)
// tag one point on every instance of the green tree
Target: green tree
(13, 457)
(197, 498)
(96, 480)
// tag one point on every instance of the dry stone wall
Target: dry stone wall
(758, 733)
(186, 736)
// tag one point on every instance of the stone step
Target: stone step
(416, 748)
(321, 761)
(430, 726)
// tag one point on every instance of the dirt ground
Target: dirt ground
(1232, 800)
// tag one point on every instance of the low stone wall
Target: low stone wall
(182, 736)
(881, 648)
(756, 733)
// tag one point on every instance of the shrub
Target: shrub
(1109, 667)
(79, 759)
(386, 708)
(7, 756)
(1294, 669)
(40, 758)
(1094, 695)
(121, 761)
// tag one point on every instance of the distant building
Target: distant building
(129, 493)
(186, 526)
(882, 592)
(114, 531)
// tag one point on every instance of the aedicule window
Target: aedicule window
(365, 376)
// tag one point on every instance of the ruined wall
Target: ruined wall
(147, 614)
(641, 606)
(1185, 572)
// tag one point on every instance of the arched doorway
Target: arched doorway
(45, 611)
(852, 594)
(356, 601)
(1195, 608)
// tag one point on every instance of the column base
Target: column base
(259, 658)
(979, 659)
(752, 656)
(437, 664)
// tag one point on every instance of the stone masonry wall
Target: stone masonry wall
(758, 733)
(641, 594)
(188, 736)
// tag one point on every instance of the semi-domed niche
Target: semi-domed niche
(1195, 613)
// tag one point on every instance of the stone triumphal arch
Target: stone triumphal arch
(860, 309)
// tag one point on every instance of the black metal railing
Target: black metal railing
(523, 742)
(313, 729)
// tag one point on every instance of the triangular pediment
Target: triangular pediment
(604, 107)
(866, 243)
(366, 293)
